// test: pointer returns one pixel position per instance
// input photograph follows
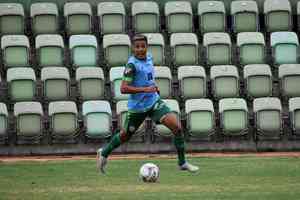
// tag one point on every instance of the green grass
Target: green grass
(219, 179)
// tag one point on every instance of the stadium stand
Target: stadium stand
(93, 113)
(90, 83)
(289, 75)
(44, 18)
(12, 18)
(212, 16)
(163, 80)
(115, 77)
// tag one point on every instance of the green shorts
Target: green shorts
(156, 112)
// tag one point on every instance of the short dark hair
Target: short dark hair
(139, 37)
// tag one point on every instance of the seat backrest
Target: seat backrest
(146, 18)
(192, 80)
(112, 17)
(179, 16)
(245, 16)
(12, 18)
(258, 79)
(163, 80)
(44, 18)
(121, 109)
(3, 119)
(115, 76)
(156, 46)
(289, 75)
(294, 110)
(212, 16)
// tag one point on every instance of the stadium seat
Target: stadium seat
(21, 84)
(156, 46)
(49, 50)
(225, 81)
(258, 80)
(179, 16)
(233, 116)
(284, 47)
(78, 18)
(212, 16)
(63, 120)
(192, 82)
(44, 18)
(29, 120)
(298, 16)
(145, 17)
(95, 112)
(90, 83)
(163, 79)
(289, 75)
(184, 48)
(56, 83)
(251, 48)
(245, 16)
(121, 111)
(218, 48)
(162, 130)
(111, 17)
(12, 18)
(277, 15)
(200, 120)
(15, 51)
(294, 114)
(116, 75)
(84, 50)
(3, 122)
(267, 114)
(117, 49)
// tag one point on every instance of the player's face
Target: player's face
(140, 49)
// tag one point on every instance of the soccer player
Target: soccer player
(144, 100)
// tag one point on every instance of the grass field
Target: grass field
(220, 178)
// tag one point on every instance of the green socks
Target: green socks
(113, 144)
(180, 147)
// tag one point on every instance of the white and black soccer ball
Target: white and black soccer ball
(149, 172)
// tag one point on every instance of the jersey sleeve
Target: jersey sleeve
(129, 72)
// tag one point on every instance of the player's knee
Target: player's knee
(124, 136)
(177, 130)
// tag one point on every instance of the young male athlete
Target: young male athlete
(144, 100)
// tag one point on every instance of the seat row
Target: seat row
(223, 82)
(217, 49)
(61, 121)
(112, 17)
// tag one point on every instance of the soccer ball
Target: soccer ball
(149, 172)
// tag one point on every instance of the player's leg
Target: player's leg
(132, 123)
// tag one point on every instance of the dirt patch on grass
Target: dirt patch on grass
(144, 156)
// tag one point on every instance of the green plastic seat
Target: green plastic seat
(146, 18)
(233, 116)
(284, 47)
(192, 82)
(212, 16)
(63, 119)
(121, 110)
(22, 84)
(15, 51)
(245, 16)
(95, 112)
(49, 50)
(117, 49)
(3, 121)
(44, 18)
(218, 48)
(84, 50)
(277, 15)
(156, 46)
(12, 18)
(29, 120)
(179, 16)
(225, 81)
(294, 113)
(289, 75)
(267, 112)
(90, 83)
(56, 83)
(185, 48)
(116, 76)
(163, 80)
(258, 80)
(78, 18)
(200, 117)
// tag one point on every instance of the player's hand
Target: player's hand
(150, 89)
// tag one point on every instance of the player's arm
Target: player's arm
(127, 88)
